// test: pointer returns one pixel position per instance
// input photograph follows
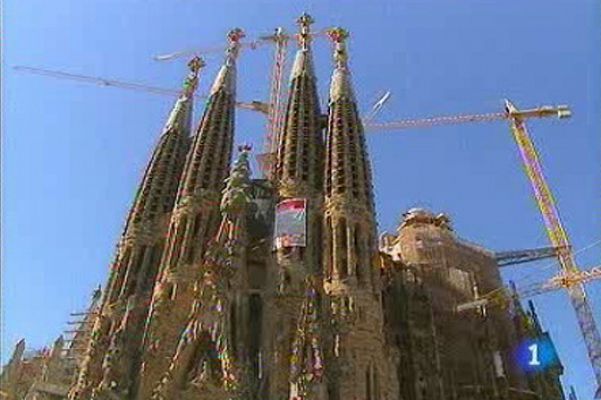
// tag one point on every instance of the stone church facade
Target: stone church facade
(217, 291)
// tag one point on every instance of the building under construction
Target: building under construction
(227, 287)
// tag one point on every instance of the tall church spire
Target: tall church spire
(194, 220)
(303, 62)
(348, 180)
(180, 118)
(346, 145)
(351, 276)
(300, 151)
(208, 161)
(299, 181)
(177, 129)
(138, 254)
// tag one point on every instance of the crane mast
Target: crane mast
(276, 90)
(558, 237)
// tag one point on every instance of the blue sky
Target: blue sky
(73, 153)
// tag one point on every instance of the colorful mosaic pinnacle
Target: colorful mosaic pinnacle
(195, 64)
(304, 36)
(234, 37)
(338, 36)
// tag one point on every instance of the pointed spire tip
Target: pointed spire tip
(196, 64)
(304, 36)
(191, 82)
(235, 35)
(305, 20)
(339, 35)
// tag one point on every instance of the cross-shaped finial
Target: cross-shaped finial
(305, 20)
(338, 36)
(195, 64)
(246, 147)
(235, 35)
(304, 37)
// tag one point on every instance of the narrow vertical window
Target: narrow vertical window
(233, 326)
(376, 384)
(193, 239)
(359, 264)
(319, 249)
(368, 384)
(151, 272)
(120, 273)
(329, 249)
(369, 268)
(342, 247)
(176, 244)
(134, 270)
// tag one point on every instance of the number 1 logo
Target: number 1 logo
(534, 361)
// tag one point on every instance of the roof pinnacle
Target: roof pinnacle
(338, 36)
(191, 82)
(341, 80)
(234, 36)
(226, 76)
(304, 37)
(235, 195)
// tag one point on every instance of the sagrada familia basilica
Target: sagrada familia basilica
(225, 287)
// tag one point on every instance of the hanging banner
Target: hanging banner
(291, 223)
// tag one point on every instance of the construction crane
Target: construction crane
(540, 112)
(570, 277)
(502, 296)
(513, 257)
(252, 45)
(276, 88)
(253, 105)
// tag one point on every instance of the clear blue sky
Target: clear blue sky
(73, 153)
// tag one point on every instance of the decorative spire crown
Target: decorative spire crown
(341, 80)
(234, 36)
(338, 36)
(226, 76)
(191, 82)
(182, 110)
(304, 37)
